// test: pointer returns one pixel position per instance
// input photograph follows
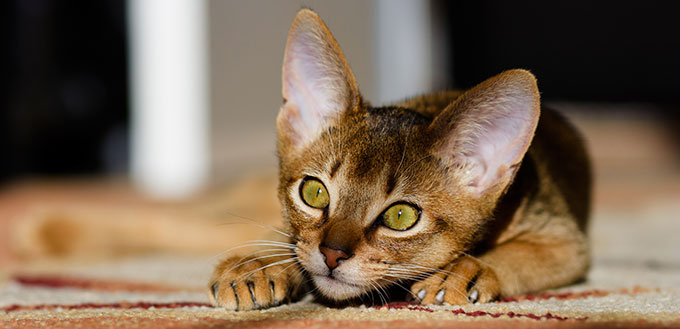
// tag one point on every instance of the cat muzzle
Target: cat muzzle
(333, 256)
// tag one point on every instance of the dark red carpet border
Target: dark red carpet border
(101, 285)
(122, 305)
(417, 307)
(92, 284)
(145, 305)
(575, 295)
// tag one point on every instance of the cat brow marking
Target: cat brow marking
(391, 182)
(334, 168)
(330, 138)
(403, 154)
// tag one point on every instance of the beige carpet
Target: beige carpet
(634, 281)
(635, 277)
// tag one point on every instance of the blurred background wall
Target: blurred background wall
(66, 104)
(246, 52)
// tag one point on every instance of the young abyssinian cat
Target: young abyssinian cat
(464, 196)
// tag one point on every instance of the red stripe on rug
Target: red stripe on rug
(145, 305)
(576, 295)
(460, 311)
(123, 305)
(95, 284)
(206, 322)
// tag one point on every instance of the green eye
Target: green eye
(401, 216)
(314, 194)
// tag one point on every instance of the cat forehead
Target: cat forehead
(375, 144)
(393, 120)
(380, 128)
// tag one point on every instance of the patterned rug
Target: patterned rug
(160, 291)
(634, 281)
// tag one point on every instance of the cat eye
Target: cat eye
(400, 216)
(314, 193)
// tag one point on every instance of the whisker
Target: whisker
(255, 243)
(260, 257)
(433, 271)
(292, 245)
(407, 276)
(442, 280)
(284, 269)
(372, 295)
(375, 286)
(257, 223)
(238, 263)
(417, 161)
(330, 138)
(387, 295)
(400, 286)
(516, 279)
(407, 272)
(403, 154)
(480, 261)
(245, 276)
(413, 271)
(370, 292)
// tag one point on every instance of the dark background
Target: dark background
(65, 103)
(580, 50)
(65, 100)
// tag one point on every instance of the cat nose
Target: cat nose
(333, 256)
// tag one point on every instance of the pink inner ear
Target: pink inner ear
(498, 149)
(310, 85)
(314, 83)
(500, 135)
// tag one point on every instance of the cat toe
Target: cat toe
(242, 295)
(242, 285)
(421, 294)
(429, 291)
(474, 296)
(476, 280)
(214, 293)
(223, 295)
(465, 281)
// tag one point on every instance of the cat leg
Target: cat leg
(256, 282)
(522, 265)
(463, 281)
(538, 262)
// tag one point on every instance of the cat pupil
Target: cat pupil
(399, 214)
(318, 191)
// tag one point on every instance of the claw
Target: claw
(474, 296)
(213, 289)
(421, 294)
(251, 288)
(233, 286)
(439, 298)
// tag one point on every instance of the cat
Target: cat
(456, 197)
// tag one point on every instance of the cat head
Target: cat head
(376, 195)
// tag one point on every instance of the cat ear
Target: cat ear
(318, 84)
(488, 129)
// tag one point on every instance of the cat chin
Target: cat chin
(336, 289)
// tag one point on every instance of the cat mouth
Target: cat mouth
(335, 288)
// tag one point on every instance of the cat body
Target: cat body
(454, 197)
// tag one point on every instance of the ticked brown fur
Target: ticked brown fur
(503, 196)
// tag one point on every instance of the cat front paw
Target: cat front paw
(242, 284)
(465, 281)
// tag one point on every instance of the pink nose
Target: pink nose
(333, 256)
